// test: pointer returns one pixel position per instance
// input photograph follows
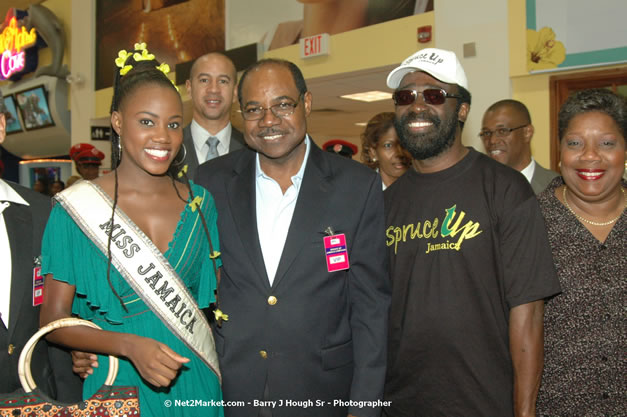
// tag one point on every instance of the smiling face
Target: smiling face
(427, 130)
(393, 160)
(513, 149)
(212, 88)
(277, 139)
(592, 156)
(149, 124)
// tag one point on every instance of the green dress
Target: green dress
(71, 257)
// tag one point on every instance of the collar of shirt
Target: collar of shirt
(296, 179)
(7, 193)
(200, 135)
(274, 210)
(528, 171)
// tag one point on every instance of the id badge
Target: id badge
(38, 286)
(336, 253)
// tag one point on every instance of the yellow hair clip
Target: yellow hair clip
(145, 56)
(220, 316)
(123, 55)
(182, 171)
(195, 203)
(164, 68)
(126, 69)
(120, 61)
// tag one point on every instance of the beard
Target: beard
(426, 145)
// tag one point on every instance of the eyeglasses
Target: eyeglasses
(282, 109)
(501, 132)
(434, 96)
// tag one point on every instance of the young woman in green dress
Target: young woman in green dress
(180, 220)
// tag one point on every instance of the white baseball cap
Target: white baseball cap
(439, 63)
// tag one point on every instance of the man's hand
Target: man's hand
(83, 363)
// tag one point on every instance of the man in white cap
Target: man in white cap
(470, 262)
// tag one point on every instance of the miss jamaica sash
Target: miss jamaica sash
(143, 267)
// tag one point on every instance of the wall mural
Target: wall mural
(175, 31)
(567, 34)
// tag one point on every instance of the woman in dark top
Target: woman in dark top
(381, 149)
(584, 211)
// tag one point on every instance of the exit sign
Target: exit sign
(314, 45)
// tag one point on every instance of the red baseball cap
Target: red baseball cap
(78, 148)
(90, 156)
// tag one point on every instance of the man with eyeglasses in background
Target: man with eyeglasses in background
(304, 279)
(506, 132)
(470, 262)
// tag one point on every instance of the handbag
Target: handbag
(30, 401)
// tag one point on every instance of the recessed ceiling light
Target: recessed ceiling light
(369, 96)
(361, 124)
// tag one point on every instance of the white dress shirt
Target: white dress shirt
(529, 170)
(274, 213)
(7, 196)
(200, 136)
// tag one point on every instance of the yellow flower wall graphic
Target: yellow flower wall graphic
(543, 51)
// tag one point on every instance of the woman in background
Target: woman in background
(584, 211)
(381, 149)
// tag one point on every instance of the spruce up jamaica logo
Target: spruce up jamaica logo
(451, 227)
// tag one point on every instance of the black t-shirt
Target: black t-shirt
(466, 245)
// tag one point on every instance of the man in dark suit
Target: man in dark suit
(211, 85)
(506, 132)
(23, 216)
(305, 334)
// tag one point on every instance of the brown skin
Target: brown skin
(593, 143)
(88, 171)
(420, 81)
(332, 16)
(3, 125)
(280, 142)
(151, 118)
(526, 345)
(514, 150)
(211, 86)
(526, 320)
(390, 156)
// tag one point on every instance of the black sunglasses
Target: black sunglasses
(434, 96)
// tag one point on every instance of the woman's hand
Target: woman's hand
(155, 362)
(83, 363)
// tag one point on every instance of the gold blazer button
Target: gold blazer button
(10, 349)
(263, 354)
(272, 300)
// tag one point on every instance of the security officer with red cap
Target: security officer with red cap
(88, 160)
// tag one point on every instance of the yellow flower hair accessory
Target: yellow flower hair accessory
(120, 61)
(140, 46)
(183, 171)
(164, 68)
(195, 203)
(214, 255)
(220, 316)
(144, 56)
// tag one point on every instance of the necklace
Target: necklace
(590, 221)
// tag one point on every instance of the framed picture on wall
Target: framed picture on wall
(9, 109)
(33, 105)
(175, 31)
